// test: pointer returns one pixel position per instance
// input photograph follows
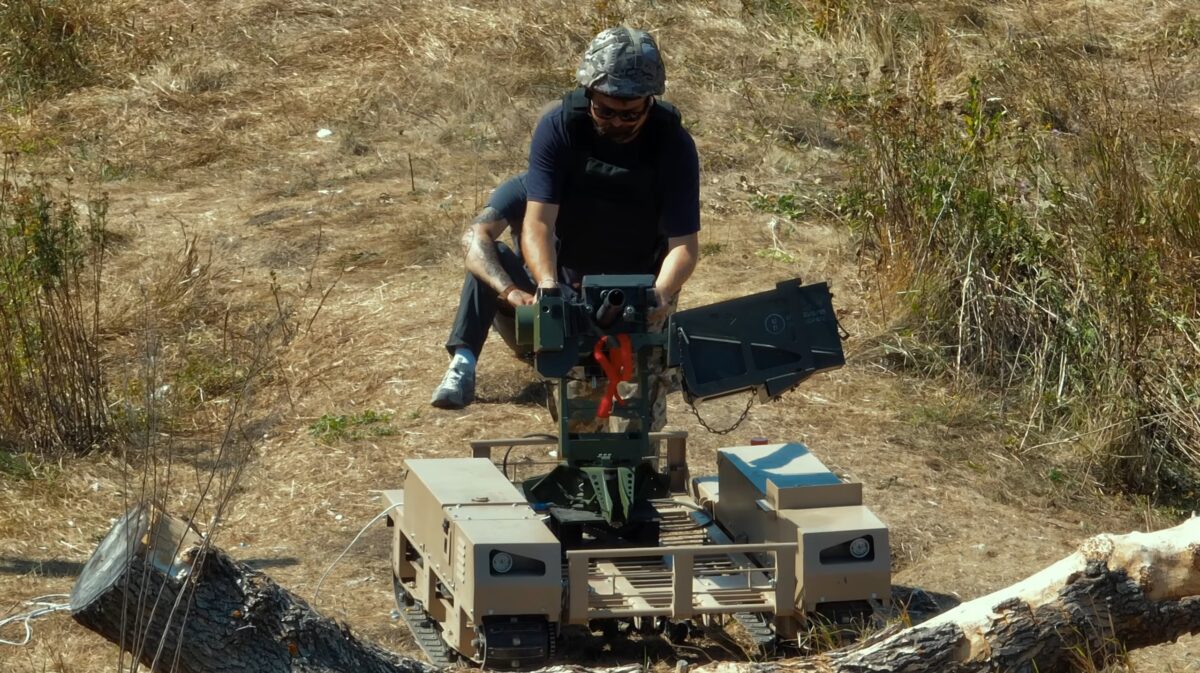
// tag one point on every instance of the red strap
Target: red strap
(617, 369)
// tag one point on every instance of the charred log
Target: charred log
(157, 590)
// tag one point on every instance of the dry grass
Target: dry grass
(1041, 230)
(208, 134)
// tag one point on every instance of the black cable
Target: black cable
(504, 463)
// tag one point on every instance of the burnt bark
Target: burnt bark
(157, 590)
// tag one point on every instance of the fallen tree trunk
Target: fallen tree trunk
(1116, 593)
(156, 589)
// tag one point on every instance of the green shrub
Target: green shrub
(52, 389)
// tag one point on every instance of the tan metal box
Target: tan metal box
(743, 474)
(460, 514)
(783, 493)
(826, 570)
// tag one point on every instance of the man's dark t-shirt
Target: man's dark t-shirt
(678, 180)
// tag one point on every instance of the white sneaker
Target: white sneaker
(457, 388)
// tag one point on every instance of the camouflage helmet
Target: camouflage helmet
(624, 63)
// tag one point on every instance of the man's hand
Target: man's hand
(662, 305)
(518, 297)
(682, 254)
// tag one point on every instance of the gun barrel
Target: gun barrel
(610, 310)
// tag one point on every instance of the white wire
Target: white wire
(337, 560)
(25, 618)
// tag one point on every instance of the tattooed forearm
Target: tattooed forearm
(480, 242)
(487, 219)
(488, 216)
(483, 261)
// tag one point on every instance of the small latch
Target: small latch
(765, 506)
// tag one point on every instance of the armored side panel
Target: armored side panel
(484, 555)
(783, 493)
(843, 557)
(769, 342)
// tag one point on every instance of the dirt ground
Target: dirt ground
(218, 145)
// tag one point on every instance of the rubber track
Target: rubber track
(758, 625)
(425, 631)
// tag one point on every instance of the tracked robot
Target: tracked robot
(495, 557)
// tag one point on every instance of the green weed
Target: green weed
(50, 47)
(954, 413)
(823, 18)
(787, 12)
(776, 255)
(364, 424)
(17, 465)
(787, 205)
(606, 14)
(1180, 35)
(208, 375)
(27, 467)
(833, 18)
(840, 97)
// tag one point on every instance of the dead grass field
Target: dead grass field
(206, 130)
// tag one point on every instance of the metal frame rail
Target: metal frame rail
(668, 584)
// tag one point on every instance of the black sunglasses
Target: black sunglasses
(602, 111)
